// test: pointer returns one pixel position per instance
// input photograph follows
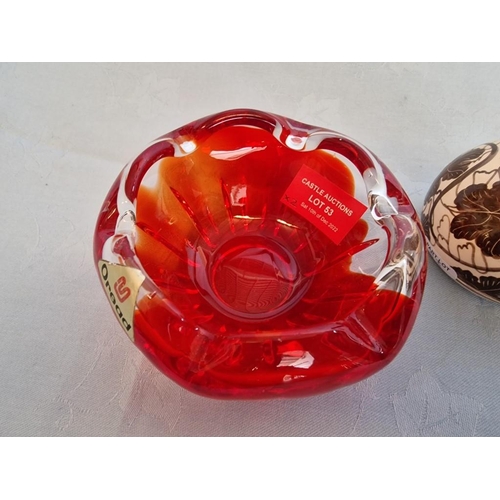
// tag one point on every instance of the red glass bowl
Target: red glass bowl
(251, 256)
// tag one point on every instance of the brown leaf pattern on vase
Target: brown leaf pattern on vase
(456, 168)
(478, 217)
(489, 285)
(459, 165)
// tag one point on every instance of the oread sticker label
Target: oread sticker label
(121, 284)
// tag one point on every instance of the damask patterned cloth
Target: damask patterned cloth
(67, 369)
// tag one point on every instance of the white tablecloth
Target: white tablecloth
(66, 130)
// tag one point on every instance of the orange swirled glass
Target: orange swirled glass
(251, 256)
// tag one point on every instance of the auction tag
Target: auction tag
(329, 208)
(121, 284)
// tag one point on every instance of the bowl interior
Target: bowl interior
(213, 234)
